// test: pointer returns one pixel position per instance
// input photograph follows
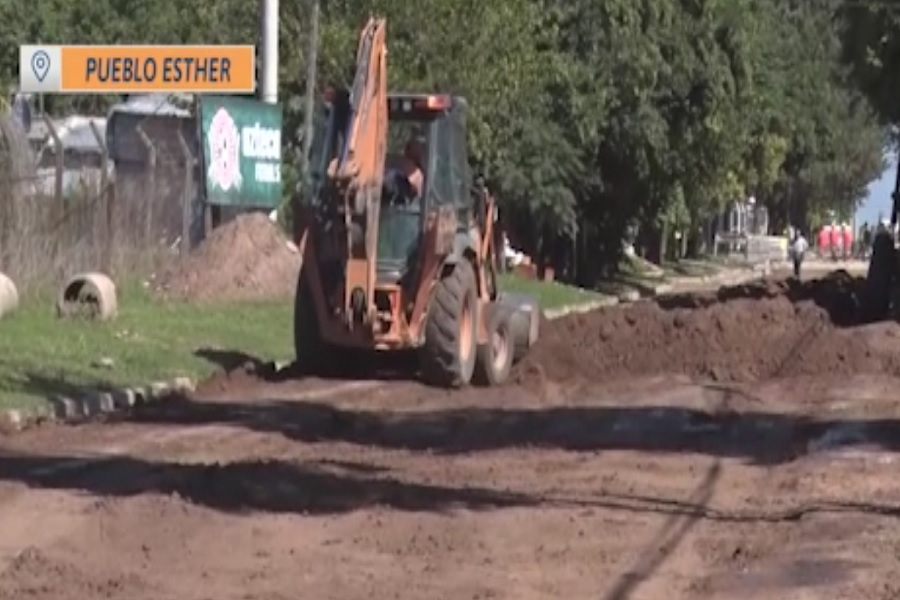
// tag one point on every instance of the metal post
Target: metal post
(187, 197)
(311, 72)
(297, 199)
(269, 43)
(106, 259)
(895, 197)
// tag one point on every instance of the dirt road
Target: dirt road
(739, 445)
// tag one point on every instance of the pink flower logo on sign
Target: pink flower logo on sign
(224, 142)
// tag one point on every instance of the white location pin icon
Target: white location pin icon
(40, 64)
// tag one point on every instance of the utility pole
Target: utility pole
(304, 194)
(269, 42)
(311, 70)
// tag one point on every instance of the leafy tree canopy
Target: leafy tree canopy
(587, 117)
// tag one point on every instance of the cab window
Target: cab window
(442, 177)
(462, 176)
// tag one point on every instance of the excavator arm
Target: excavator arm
(358, 170)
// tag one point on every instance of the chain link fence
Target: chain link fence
(75, 203)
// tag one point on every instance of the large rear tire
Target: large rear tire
(448, 356)
(880, 279)
(495, 358)
(309, 348)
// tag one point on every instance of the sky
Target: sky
(879, 197)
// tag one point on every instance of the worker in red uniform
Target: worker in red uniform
(823, 241)
(836, 240)
(848, 240)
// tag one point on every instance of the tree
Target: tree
(586, 117)
(871, 47)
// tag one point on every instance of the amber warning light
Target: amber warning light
(432, 102)
(135, 69)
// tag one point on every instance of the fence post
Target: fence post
(186, 209)
(106, 260)
(60, 158)
(209, 219)
(152, 157)
(59, 172)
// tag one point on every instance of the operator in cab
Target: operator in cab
(406, 181)
(412, 165)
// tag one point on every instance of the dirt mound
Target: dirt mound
(245, 259)
(744, 333)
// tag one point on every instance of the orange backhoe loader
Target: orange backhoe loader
(397, 241)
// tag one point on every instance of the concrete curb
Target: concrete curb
(92, 403)
(582, 307)
(661, 289)
(721, 279)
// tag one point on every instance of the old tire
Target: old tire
(448, 356)
(309, 348)
(880, 279)
(494, 359)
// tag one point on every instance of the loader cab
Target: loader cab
(437, 123)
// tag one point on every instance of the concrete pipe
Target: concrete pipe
(88, 295)
(9, 295)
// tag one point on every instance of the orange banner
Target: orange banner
(135, 69)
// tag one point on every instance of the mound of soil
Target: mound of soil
(744, 333)
(245, 259)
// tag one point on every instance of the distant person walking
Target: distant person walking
(799, 245)
(865, 241)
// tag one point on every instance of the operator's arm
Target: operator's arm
(399, 187)
(413, 174)
(416, 180)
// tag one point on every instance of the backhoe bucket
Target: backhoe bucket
(525, 321)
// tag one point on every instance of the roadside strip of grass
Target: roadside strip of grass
(636, 277)
(41, 355)
(550, 295)
(647, 279)
(151, 340)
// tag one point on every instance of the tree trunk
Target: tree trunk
(663, 243)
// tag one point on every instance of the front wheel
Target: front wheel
(448, 356)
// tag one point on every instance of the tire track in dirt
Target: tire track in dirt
(31, 525)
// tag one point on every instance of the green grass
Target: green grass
(636, 268)
(151, 340)
(549, 294)
(41, 355)
(634, 274)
